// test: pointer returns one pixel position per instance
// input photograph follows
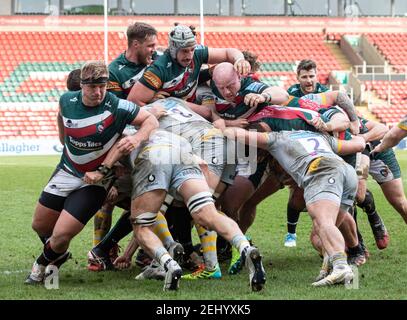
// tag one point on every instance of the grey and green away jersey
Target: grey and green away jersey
(90, 132)
(177, 114)
(164, 148)
(295, 150)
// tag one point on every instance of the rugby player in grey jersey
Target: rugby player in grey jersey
(156, 173)
(329, 183)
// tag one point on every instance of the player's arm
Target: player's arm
(202, 110)
(345, 147)
(270, 95)
(144, 90)
(232, 55)
(124, 261)
(391, 138)
(338, 123)
(146, 123)
(256, 139)
(140, 94)
(342, 100)
(278, 95)
(60, 124)
(376, 131)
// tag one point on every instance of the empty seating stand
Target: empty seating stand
(397, 104)
(34, 67)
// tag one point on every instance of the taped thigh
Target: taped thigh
(145, 219)
(199, 200)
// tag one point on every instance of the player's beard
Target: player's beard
(144, 59)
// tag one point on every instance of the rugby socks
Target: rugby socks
(48, 255)
(222, 245)
(355, 250)
(102, 222)
(240, 243)
(121, 229)
(162, 256)
(354, 213)
(292, 219)
(339, 260)
(161, 230)
(369, 207)
(208, 243)
(179, 221)
(326, 262)
(43, 239)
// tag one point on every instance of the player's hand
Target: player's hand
(122, 263)
(219, 124)
(112, 195)
(378, 148)
(319, 124)
(354, 127)
(160, 95)
(128, 144)
(240, 123)
(242, 66)
(93, 177)
(230, 133)
(121, 171)
(253, 99)
(158, 111)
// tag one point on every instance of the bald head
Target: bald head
(224, 72)
(226, 80)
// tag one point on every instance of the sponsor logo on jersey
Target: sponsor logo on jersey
(74, 99)
(112, 85)
(255, 86)
(129, 83)
(121, 66)
(85, 145)
(384, 172)
(152, 79)
(100, 128)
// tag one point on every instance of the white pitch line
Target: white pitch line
(7, 272)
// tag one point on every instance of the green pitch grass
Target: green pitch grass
(384, 276)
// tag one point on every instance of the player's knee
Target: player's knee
(61, 240)
(39, 227)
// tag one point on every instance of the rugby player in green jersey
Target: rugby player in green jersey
(176, 72)
(93, 121)
(130, 65)
(124, 72)
(308, 80)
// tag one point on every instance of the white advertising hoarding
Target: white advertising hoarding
(30, 147)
